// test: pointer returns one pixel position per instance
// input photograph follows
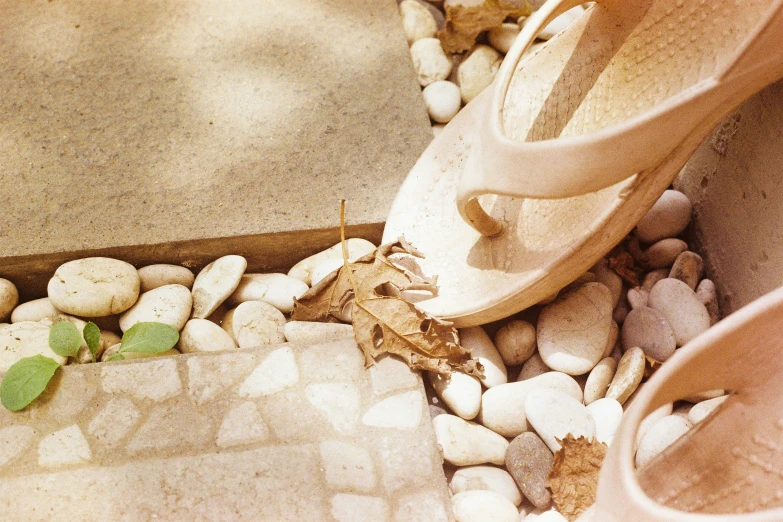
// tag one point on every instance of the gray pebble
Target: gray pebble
(664, 252)
(652, 277)
(668, 217)
(637, 297)
(708, 295)
(678, 303)
(529, 461)
(649, 330)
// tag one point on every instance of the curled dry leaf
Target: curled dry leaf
(623, 263)
(574, 476)
(373, 289)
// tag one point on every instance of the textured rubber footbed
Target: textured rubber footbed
(579, 81)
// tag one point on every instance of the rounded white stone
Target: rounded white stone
(34, 311)
(548, 516)
(660, 436)
(664, 252)
(460, 392)
(168, 304)
(648, 329)
(483, 349)
(607, 415)
(94, 287)
(356, 246)
(255, 323)
(708, 294)
(599, 379)
(430, 61)
(650, 419)
(533, 367)
(442, 99)
(465, 443)
(574, 329)
(561, 22)
(483, 506)
(700, 410)
(25, 339)
(477, 71)
(555, 414)
(314, 332)
(215, 282)
(609, 278)
(417, 21)
(503, 36)
(279, 290)
(486, 478)
(668, 217)
(611, 342)
(679, 304)
(630, 371)
(516, 342)
(9, 297)
(202, 335)
(503, 407)
(324, 268)
(154, 276)
(637, 297)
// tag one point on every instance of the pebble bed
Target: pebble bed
(569, 365)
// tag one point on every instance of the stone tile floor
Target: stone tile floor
(287, 432)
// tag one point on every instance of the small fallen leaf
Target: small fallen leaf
(574, 476)
(623, 263)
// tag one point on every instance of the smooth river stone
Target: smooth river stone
(255, 323)
(465, 443)
(94, 287)
(154, 276)
(34, 311)
(664, 252)
(701, 410)
(279, 290)
(356, 246)
(315, 332)
(9, 297)
(668, 217)
(708, 294)
(516, 342)
(503, 407)
(529, 461)
(688, 268)
(573, 330)
(659, 437)
(555, 414)
(460, 392)
(533, 367)
(599, 379)
(168, 304)
(215, 283)
(483, 349)
(25, 339)
(607, 415)
(681, 307)
(202, 335)
(483, 506)
(648, 329)
(630, 371)
(650, 419)
(486, 478)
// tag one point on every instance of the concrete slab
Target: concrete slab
(162, 122)
(259, 434)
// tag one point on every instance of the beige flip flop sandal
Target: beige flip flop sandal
(729, 467)
(554, 164)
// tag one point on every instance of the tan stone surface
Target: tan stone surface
(734, 183)
(195, 452)
(151, 123)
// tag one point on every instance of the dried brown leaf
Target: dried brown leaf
(623, 263)
(574, 476)
(465, 19)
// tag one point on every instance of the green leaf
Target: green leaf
(149, 338)
(65, 339)
(92, 336)
(25, 380)
(116, 357)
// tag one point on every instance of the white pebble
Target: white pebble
(356, 246)
(487, 478)
(630, 371)
(707, 294)
(483, 349)
(255, 323)
(314, 332)
(25, 339)
(465, 443)
(649, 329)
(609, 278)
(34, 311)
(533, 367)
(168, 304)
(430, 61)
(417, 21)
(460, 392)
(607, 414)
(660, 436)
(700, 411)
(573, 331)
(215, 282)
(153, 276)
(599, 379)
(679, 304)
(442, 99)
(503, 36)
(516, 342)
(668, 217)
(637, 297)
(503, 407)
(9, 297)
(477, 71)
(483, 506)
(664, 252)
(555, 414)
(324, 268)
(202, 335)
(94, 287)
(279, 290)
(651, 419)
